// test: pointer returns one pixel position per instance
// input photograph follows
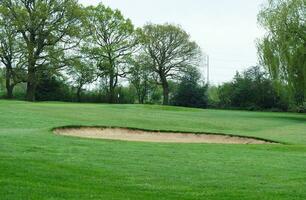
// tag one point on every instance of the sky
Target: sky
(226, 30)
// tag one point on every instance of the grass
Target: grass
(35, 164)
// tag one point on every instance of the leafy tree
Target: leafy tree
(126, 95)
(140, 76)
(225, 92)
(190, 93)
(170, 50)
(283, 48)
(52, 87)
(2, 81)
(213, 96)
(82, 73)
(48, 28)
(111, 42)
(10, 55)
(253, 89)
(155, 96)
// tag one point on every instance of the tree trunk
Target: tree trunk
(9, 91)
(141, 100)
(9, 85)
(144, 92)
(166, 94)
(165, 91)
(79, 90)
(111, 97)
(139, 94)
(31, 84)
(304, 97)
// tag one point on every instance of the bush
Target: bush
(127, 95)
(20, 91)
(301, 108)
(213, 97)
(252, 90)
(52, 88)
(189, 93)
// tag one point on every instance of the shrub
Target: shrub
(301, 108)
(189, 93)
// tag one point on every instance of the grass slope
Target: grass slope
(35, 164)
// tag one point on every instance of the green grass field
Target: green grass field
(36, 164)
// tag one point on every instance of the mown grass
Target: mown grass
(36, 164)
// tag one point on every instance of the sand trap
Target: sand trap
(148, 136)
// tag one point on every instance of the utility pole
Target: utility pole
(206, 65)
(208, 69)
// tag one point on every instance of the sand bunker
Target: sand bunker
(150, 136)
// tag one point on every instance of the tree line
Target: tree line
(86, 45)
(61, 50)
(252, 89)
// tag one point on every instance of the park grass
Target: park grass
(36, 164)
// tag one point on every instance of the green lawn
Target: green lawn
(35, 164)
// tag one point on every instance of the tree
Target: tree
(252, 89)
(47, 28)
(2, 80)
(52, 87)
(190, 93)
(111, 42)
(213, 96)
(10, 56)
(82, 72)
(282, 50)
(225, 92)
(140, 76)
(170, 50)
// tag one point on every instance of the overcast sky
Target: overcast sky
(225, 29)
